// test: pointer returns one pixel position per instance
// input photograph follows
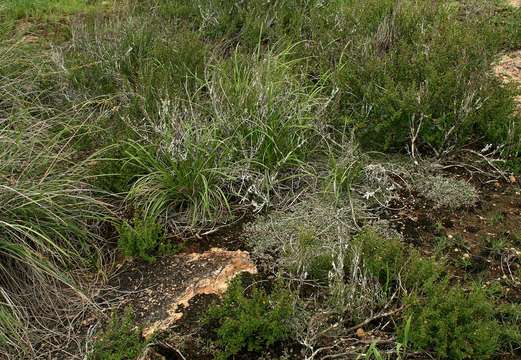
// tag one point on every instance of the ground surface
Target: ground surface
(481, 243)
(508, 70)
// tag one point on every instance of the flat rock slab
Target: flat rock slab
(159, 292)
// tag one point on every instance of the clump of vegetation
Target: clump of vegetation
(38, 8)
(449, 320)
(141, 238)
(344, 170)
(445, 192)
(509, 317)
(50, 213)
(249, 319)
(120, 340)
(454, 323)
(305, 242)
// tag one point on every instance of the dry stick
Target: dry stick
(356, 350)
(414, 135)
(490, 163)
(377, 316)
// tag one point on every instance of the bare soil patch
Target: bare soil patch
(508, 69)
(483, 242)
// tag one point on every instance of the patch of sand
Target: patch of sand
(508, 69)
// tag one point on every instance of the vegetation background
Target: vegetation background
(127, 125)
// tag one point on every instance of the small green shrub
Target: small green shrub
(421, 272)
(121, 340)
(509, 316)
(312, 258)
(319, 268)
(383, 258)
(140, 238)
(251, 322)
(391, 262)
(447, 320)
(453, 323)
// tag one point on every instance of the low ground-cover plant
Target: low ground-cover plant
(120, 340)
(300, 241)
(140, 238)
(250, 319)
(446, 192)
(454, 323)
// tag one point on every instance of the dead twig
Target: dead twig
(375, 317)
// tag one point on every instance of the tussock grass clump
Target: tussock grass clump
(196, 160)
(49, 214)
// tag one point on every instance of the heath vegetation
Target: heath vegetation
(363, 147)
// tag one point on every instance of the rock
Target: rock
(213, 283)
(163, 290)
